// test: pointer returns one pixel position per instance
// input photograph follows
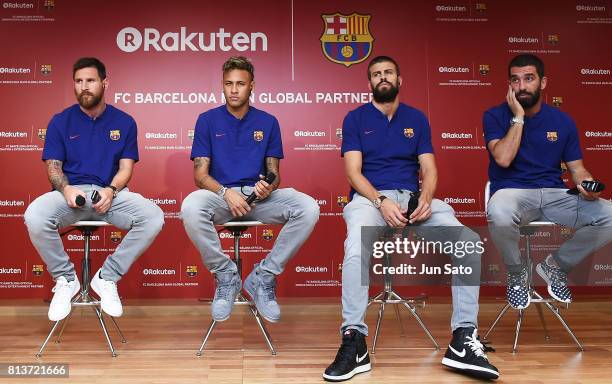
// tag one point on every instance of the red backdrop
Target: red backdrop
(453, 57)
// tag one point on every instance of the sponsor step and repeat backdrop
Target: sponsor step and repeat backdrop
(164, 68)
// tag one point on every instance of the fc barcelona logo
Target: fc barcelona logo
(42, 133)
(484, 69)
(342, 201)
(37, 269)
(49, 4)
(339, 133)
(258, 135)
(551, 136)
(191, 270)
(115, 135)
(268, 234)
(480, 7)
(557, 101)
(553, 39)
(46, 69)
(409, 133)
(115, 236)
(191, 134)
(346, 39)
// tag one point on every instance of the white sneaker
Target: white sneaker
(109, 297)
(64, 292)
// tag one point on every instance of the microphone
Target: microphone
(270, 177)
(589, 186)
(80, 201)
(413, 203)
(95, 196)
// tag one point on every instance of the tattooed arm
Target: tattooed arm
(272, 166)
(59, 181)
(235, 201)
(263, 189)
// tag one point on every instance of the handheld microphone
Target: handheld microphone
(589, 186)
(95, 196)
(270, 177)
(79, 200)
(413, 203)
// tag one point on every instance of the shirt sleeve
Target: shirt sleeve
(55, 148)
(492, 127)
(275, 145)
(201, 139)
(130, 151)
(350, 134)
(425, 145)
(572, 150)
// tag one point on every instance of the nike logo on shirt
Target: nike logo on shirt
(462, 354)
(74, 137)
(367, 132)
(219, 134)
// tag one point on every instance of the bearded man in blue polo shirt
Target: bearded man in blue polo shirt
(234, 146)
(90, 146)
(385, 144)
(527, 141)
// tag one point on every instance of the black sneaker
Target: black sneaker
(517, 292)
(556, 279)
(466, 354)
(352, 357)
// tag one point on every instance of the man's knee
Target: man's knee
(195, 203)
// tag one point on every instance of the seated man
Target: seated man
(90, 146)
(384, 145)
(527, 140)
(234, 145)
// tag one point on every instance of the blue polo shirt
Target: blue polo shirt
(90, 149)
(237, 148)
(389, 149)
(549, 137)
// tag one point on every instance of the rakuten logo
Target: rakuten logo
(588, 8)
(459, 200)
(151, 135)
(130, 39)
(81, 237)
(14, 70)
(309, 134)
(598, 134)
(529, 40)
(447, 135)
(224, 235)
(321, 202)
(10, 271)
(602, 267)
(450, 8)
(453, 69)
(12, 203)
(163, 201)
(150, 271)
(18, 5)
(11, 135)
(309, 269)
(586, 71)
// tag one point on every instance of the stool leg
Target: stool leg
(399, 318)
(416, 316)
(555, 312)
(543, 321)
(103, 325)
(39, 354)
(518, 329)
(497, 319)
(263, 328)
(123, 340)
(61, 332)
(377, 297)
(381, 313)
(210, 329)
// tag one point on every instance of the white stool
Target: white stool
(237, 228)
(526, 231)
(83, 298)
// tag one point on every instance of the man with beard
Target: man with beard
(385, 144)
(234, 146)
(90, 146)
(527, 141)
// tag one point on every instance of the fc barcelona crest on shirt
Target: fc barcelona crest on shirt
(551, 136)
(258, 135)
(115, 135)
(346, 39)
(409, 133)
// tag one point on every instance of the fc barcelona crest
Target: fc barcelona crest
(553, 39)
(339, 133)
(409, 133)
(42, 133)
(484, 69)
(46, 69)
(49, 4)
(551, 136)
(557, 101)
(342, 201)
(268, 234)
(115, 135)
(191, 134)
(346, 39)
(258, 135)
(191, 270)
(37, 269)
(115, 236)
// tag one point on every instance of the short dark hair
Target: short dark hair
(239, 62)
(382, 59)
(525, 60)
(88, 62)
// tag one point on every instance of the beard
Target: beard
(88, 100)
(531, 100)
(387, 95)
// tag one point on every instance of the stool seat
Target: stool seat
(238, 223)
(90, 223)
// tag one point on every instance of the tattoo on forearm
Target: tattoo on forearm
(56, 175)
(272, 165)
